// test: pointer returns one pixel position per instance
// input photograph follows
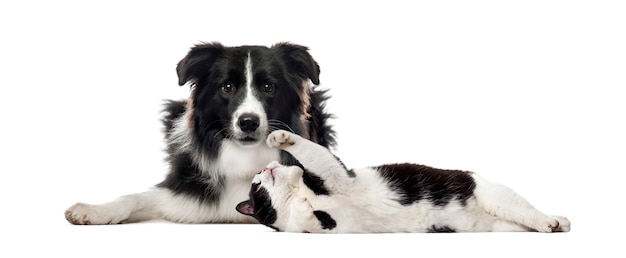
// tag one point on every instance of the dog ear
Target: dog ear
(299, 59)
(198, 61)
(245, 208)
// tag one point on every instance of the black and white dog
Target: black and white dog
(215, 139)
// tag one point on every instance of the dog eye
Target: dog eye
(228, 88)
(268, 88)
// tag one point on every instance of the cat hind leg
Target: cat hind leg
(503, 203)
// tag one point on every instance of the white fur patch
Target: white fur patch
(237, 162)
(250, 105)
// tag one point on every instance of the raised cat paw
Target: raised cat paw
(280, 139)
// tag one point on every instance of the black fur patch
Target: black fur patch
(319, 129)
(172, 111)
(325, 219)
(185, 178)
(315, 183)
(349, 171)
(442, 229)
(416, 182)
(264, 212)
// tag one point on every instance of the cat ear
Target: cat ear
(245, 208)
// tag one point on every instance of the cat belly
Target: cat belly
(453, 217)
(421, 217)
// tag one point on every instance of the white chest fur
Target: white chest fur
(242, 163)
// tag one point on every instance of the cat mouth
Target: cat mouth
(272, 175)
(270, 171)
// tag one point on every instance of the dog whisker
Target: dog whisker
(216, 134)
(277, 124)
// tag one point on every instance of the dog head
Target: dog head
(243, 93)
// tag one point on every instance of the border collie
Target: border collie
(215, 138)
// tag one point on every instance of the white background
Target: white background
(529, 94)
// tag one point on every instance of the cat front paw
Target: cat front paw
(280, 139)
(301, 218)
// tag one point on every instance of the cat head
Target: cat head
(271, 193)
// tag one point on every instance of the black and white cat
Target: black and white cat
(323, 196)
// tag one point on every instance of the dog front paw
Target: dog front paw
(280, 139)
(87, 214)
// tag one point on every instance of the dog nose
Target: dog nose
(248, 122)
